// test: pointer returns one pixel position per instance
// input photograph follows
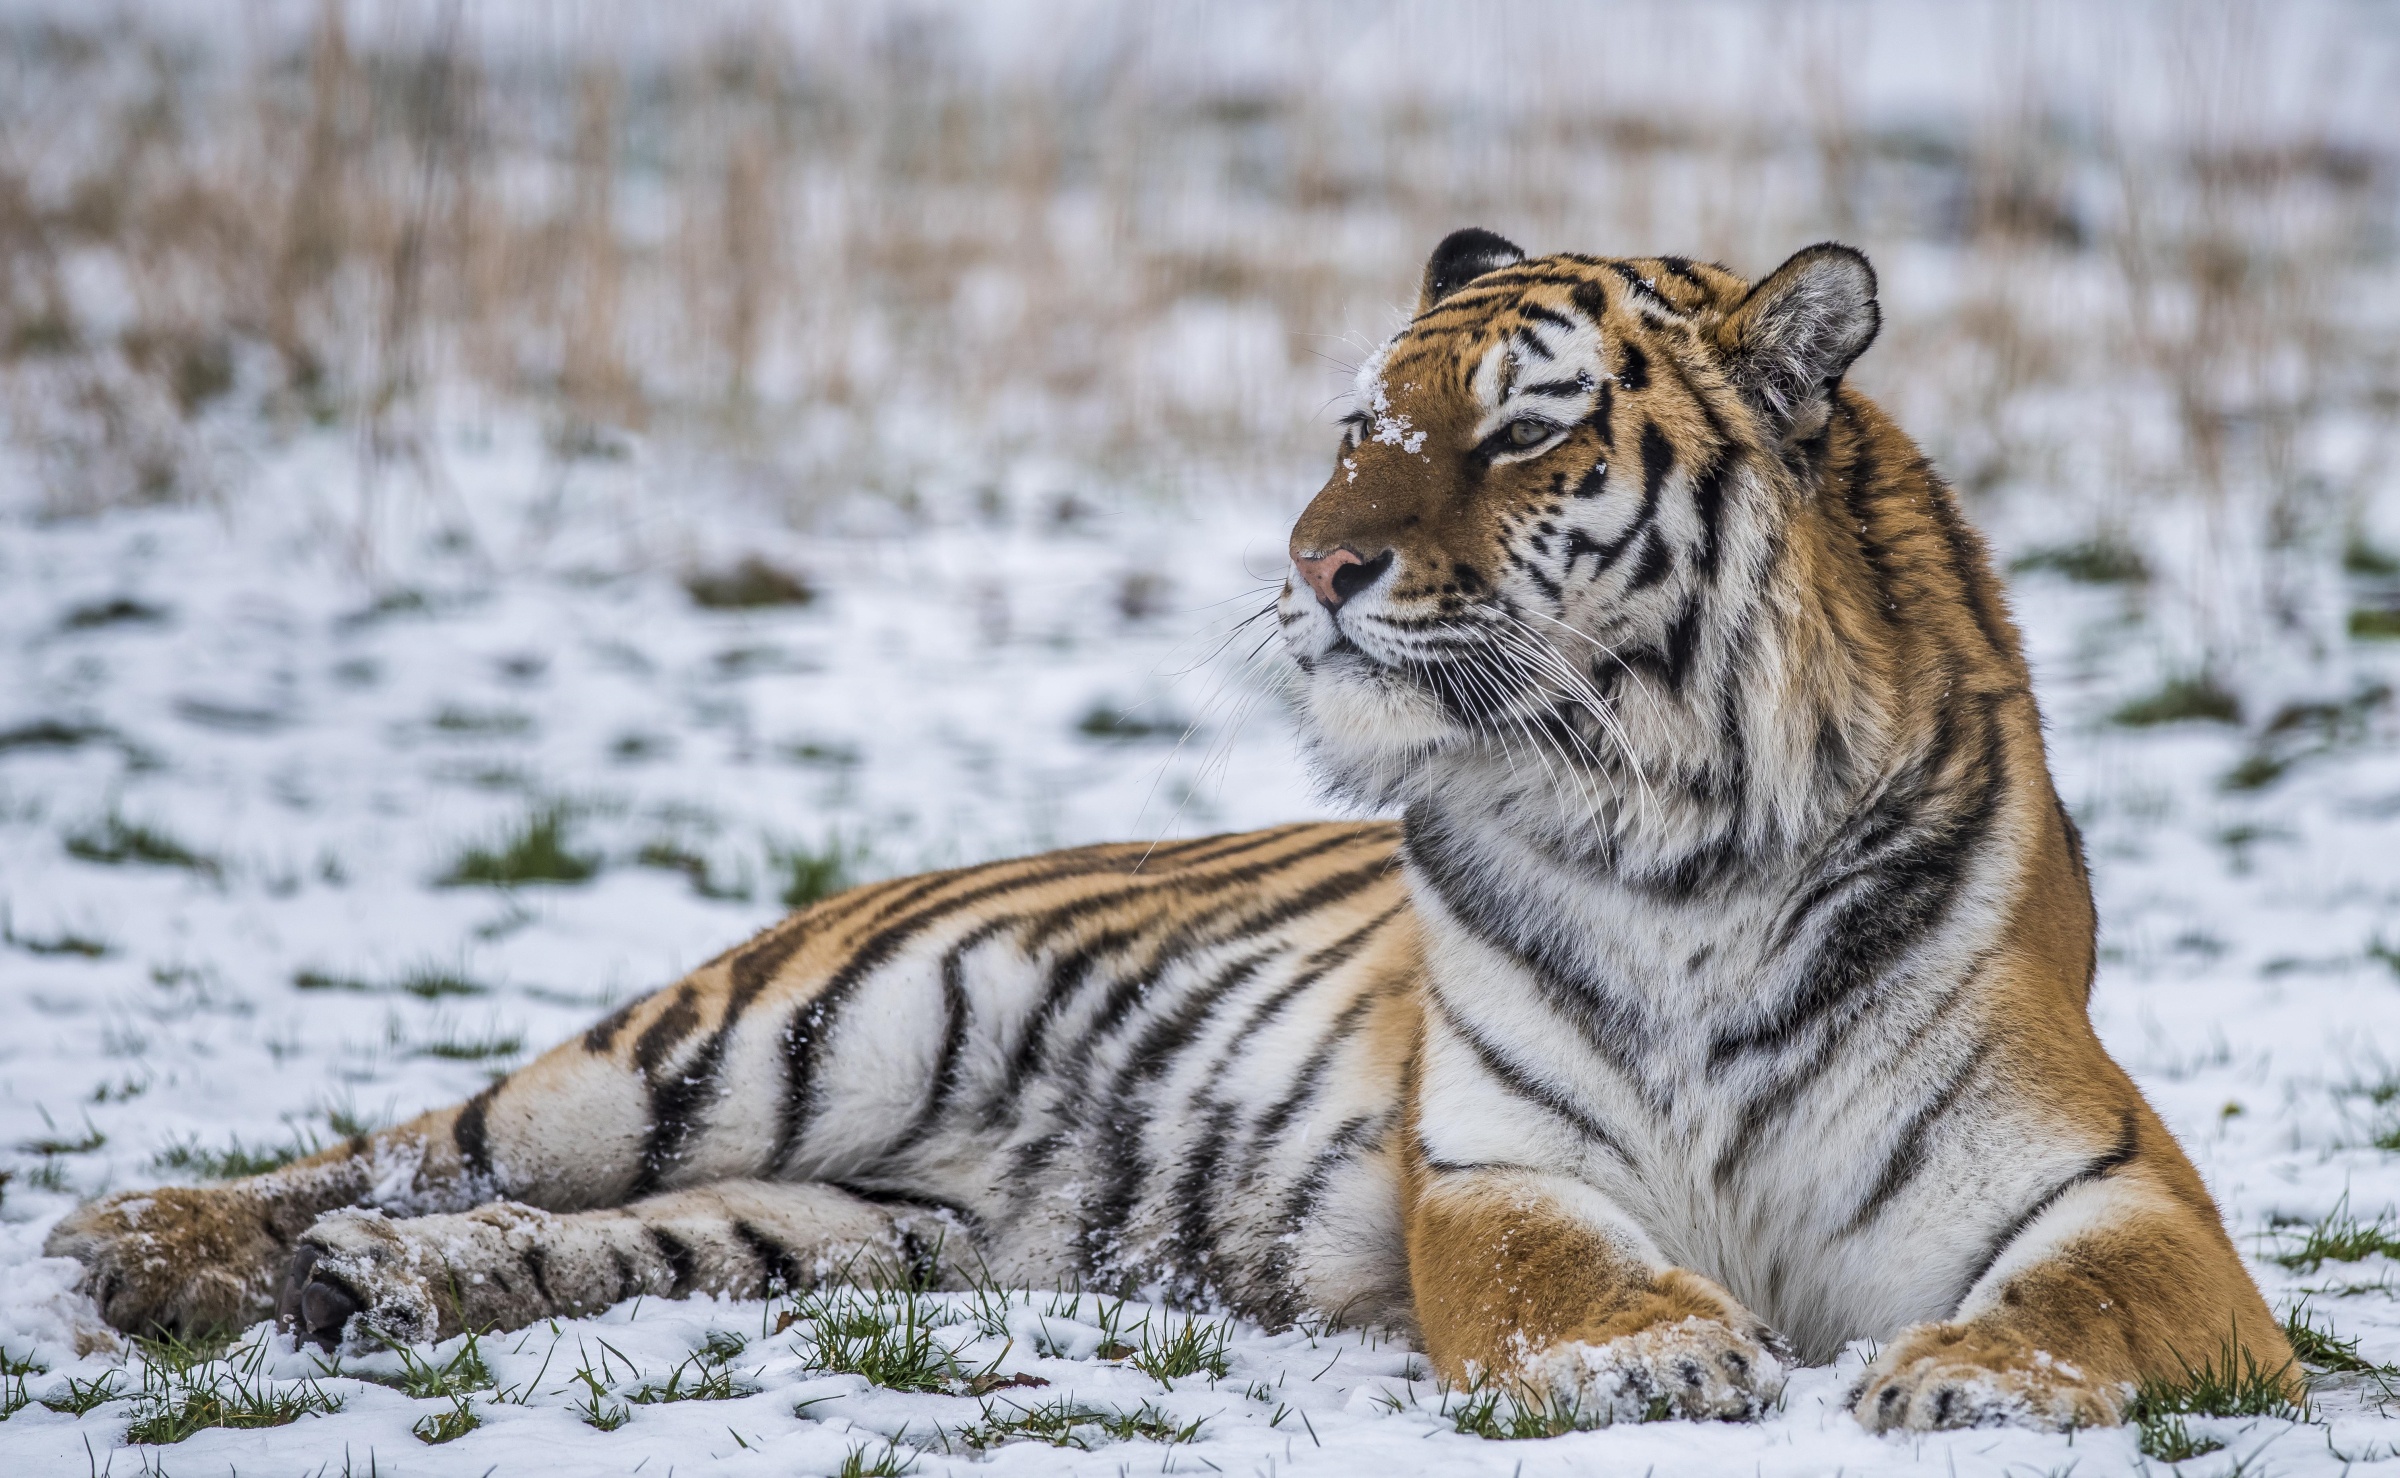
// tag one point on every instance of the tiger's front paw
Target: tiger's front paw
(355, 1274)
(1698, 1369)
(180, 1260)
(1957, 1375)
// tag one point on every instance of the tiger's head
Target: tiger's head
(1560, 492)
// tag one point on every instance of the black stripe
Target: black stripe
(535, 1259)
(1195, 931)
(1540, 313)
(603, 1033)
(1196, 1229)
(1601, 420)
(471, 1133)
(1611, 1028)
(805, 1029)
(1117, 1152)
(946, 1071)
(1575, 386)
(1682, 267)
(1907, 1159)
(1889, 882)
(1194, 936)
(1309, 1080)
(1550, 588)
(682, 1267)
(1858, 496)
(1968, 564)
(2116, 1158)
(1634, 374)
(667, 1030)
(1640, 287)
(1658, 459)
(776, 1262)
(1522, 1082)
(1531, 343)
(1708, 500)
(1652, 565)
(1279, 1300)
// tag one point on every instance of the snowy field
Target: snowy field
(497, 502)
(236, 801)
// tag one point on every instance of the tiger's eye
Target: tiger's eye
(1528, 432)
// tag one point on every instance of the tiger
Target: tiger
(1719, 997)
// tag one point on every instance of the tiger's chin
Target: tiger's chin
(1372, 730)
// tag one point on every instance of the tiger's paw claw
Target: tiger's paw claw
(181, 1261)
(1944, 1376)
(353, 1275)
(1697, 1369)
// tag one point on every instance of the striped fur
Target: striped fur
(1720, 998)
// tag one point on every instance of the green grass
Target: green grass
(2388, 956)
(818, 752)
(668, 856)
(14, 1370)
(1483, 1411)
(2166, 1438)
(81, 1396)
(2375, 623)
(436, 1428)
(879, 1333)
(481, 723)
(50, 733)
(426, 981)
(184, 1390)
(114, 841)
(702, 1376)
(595, 1410)
(1068, 1423)
(2361, 557)
(890, 1465)
(1194, 1349)
(121, 611)
(1105, 722)
(64, 943)
(2340, 1237)
(2232, 1384)
(54, 1144)
(2182, 699)
(812, 874)
(453, 1044)
(234, 1161)
(746, 586)
(2322, 1349)
(2101, 561)
(421, 1379)
(536, 852)
(2257, 771)
(2301, 731)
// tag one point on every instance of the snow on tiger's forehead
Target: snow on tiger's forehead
(1524, 356)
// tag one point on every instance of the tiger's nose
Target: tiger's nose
(1340, 574)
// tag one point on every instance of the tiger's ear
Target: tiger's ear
(1788, 341)
(1462, 257)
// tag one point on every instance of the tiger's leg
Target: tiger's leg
(505, 1265)
(1539, 1281)
(2121, 1276)
(579, 1127)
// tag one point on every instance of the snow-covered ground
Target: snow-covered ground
(233, 786)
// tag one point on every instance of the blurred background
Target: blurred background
(2138, 256)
